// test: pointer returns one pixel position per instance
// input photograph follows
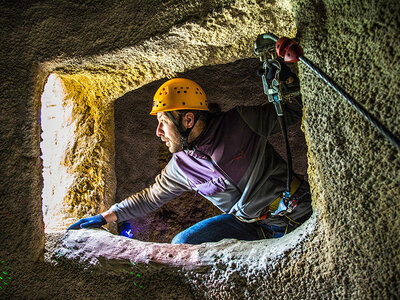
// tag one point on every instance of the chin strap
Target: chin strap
(183, 132)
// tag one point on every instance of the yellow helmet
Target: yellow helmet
(177, 94)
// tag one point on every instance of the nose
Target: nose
(159, 130)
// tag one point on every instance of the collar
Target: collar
(204, 144)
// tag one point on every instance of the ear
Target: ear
(188, 120)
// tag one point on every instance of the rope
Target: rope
(358, 107)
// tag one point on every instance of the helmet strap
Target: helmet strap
(183, 132)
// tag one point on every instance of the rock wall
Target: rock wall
(354, 171)
(102, 50)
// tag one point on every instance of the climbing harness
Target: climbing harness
(290, 51)
(273, 85)
(280, 206)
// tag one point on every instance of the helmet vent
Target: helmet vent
(183, 103)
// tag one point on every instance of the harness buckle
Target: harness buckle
(286, 205)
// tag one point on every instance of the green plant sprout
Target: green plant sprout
(4, 280)
(133, 274)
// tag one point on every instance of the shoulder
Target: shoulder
(249, 111)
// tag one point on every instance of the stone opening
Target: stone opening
(100, 122)
(71, 138)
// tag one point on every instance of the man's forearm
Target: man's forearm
(109, 216)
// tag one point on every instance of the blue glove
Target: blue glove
(90, 222)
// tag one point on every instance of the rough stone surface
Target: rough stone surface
(101, 50)
(353, 170)
(231, 262)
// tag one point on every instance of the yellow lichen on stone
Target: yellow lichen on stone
(92, 91)
(91, 95)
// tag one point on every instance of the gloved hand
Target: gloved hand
(90, 222)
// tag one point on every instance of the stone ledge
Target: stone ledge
(95, 248)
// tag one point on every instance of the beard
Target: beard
(174, 145)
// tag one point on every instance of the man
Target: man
(226, 158)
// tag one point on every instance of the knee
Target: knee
(181, 238)
(208, 230)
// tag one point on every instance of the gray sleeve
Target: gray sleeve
(263, 119)
(169, 184)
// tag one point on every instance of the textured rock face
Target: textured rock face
(354, 172)
(102, 50)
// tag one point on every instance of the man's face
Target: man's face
(169, 134)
